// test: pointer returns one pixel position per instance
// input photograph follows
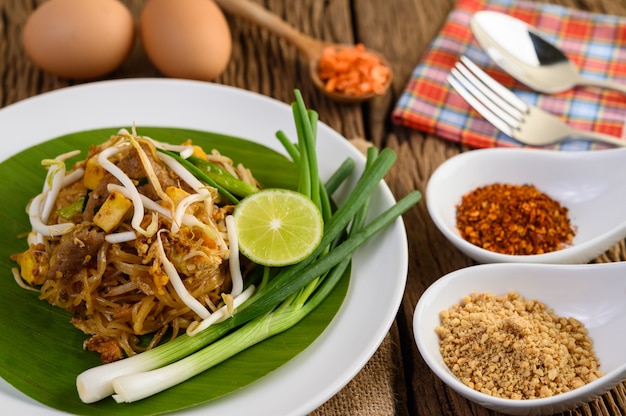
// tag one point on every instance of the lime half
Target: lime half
(278, 227)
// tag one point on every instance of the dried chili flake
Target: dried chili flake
(513, 219)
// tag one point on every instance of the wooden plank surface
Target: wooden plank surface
(396, 380)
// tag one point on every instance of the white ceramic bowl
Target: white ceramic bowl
(592, 185)
(595, 294)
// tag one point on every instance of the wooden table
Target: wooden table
(396, 380)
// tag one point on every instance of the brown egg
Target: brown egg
(78, 38)
(186, 38)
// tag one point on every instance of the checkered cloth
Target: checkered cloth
(596, 44)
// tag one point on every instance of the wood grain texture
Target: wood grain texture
(396, 380)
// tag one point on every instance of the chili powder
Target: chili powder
(513, 219)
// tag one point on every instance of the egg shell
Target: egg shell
(79, 39)
(186, 38)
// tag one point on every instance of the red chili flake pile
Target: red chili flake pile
(513, 219)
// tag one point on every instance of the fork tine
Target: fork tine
(508, 113)
(495, 86)
(505, 117)
(490, 100)
(459, 84)
(481, 85)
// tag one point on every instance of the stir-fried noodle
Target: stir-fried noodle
(130, 243)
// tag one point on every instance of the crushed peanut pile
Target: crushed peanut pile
(514, 348)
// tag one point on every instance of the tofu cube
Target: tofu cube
(94, 173)
(177, 194)
(112, 212)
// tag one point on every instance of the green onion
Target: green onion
(70, 211)
(283, 297)
(198, 173)
(224, 178)
(214, 175)
(339, 176)
(291, 148)
(138, 386)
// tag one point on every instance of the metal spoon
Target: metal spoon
(310, 48)
(521, 50)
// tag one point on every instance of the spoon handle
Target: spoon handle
(309, 47)
(604, 83)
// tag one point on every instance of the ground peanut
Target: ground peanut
(514, 348)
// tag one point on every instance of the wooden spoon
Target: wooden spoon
(310, 48)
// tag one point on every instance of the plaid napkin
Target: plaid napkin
(595, 43)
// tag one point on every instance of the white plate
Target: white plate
(315, 375)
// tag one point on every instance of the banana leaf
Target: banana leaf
(41, 352)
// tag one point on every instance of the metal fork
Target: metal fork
(509, 114)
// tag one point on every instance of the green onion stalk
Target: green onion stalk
(281, 301)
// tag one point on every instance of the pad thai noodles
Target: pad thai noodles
(131, 243)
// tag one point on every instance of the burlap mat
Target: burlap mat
(372, 391)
